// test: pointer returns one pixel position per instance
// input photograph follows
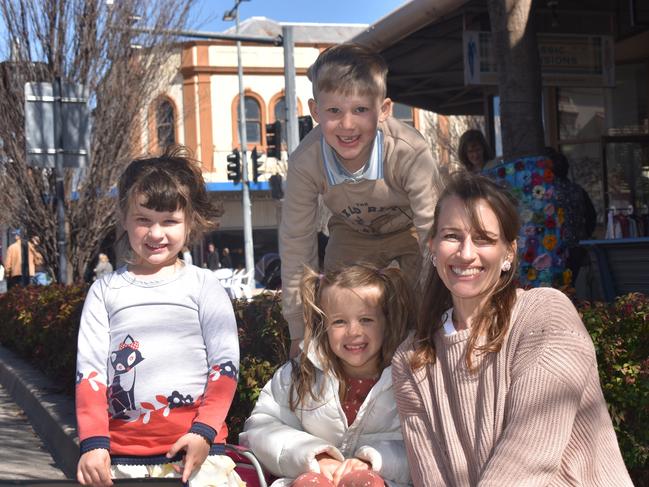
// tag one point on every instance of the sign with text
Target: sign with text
(57, 121)
(566, 59)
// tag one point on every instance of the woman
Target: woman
(474, 151)
(498, 386)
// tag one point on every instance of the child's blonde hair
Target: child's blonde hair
(349, 69)
(395, 302)
(170, 182)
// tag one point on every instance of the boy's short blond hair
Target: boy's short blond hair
(349, 69)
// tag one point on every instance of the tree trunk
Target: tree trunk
(519, 77)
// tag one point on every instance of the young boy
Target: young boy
(375, 173)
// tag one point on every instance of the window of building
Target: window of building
(628, 109)
(403, 113)
(253, 120)
(581, 113)
(165, 124)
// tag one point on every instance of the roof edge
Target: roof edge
(405, 20)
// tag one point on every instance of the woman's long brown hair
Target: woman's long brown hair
(492, 321)
(395, 301)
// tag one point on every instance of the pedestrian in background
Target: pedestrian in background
(226, 259)
(158, 351)
(103, 266)
(213, 262)
(578, 214)
(41, 277)
(474, 151)
(19, 262)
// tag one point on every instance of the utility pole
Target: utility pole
(60, 190)
(290, 95)
(243, 139)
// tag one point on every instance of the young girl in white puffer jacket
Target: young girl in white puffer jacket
(329, 418)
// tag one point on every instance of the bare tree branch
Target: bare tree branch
(77, 40)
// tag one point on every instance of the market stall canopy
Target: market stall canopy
(422, 42)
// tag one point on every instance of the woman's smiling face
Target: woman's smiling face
(469, 260)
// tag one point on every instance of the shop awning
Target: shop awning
(422, 44)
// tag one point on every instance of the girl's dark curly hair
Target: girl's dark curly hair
(170, 182)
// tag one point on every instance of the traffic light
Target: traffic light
(275, 182)
(274, 139)
(256, 163)
(305, 124)
(234, 166)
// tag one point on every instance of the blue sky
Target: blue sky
(209, 12)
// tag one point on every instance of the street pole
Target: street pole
(290, 95)
(60, 188)
(243, 138)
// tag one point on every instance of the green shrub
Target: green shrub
(620, 332)
(40, 324)
(264, 342)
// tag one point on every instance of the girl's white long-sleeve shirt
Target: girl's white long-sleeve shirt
(156, 359)
(287, 442)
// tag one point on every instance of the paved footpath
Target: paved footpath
(30, 402)
(22, 453)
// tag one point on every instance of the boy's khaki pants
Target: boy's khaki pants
(347, 246)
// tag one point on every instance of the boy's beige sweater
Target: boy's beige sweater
(533, 415)
(406, 196)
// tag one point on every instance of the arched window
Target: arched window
(403, 113)
(253, 120)
(165, 124)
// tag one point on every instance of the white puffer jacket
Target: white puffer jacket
(287, 442)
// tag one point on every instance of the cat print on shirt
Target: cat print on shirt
(121, 396)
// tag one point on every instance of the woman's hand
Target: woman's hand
(94, 468)
(196, 450)
(348, 466)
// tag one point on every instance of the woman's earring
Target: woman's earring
(434, 261)
(506, 266)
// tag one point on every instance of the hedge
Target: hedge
(40, 324)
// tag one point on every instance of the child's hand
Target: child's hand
(196, 451)
(94, 468)
(328, 465)
(348, 466)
